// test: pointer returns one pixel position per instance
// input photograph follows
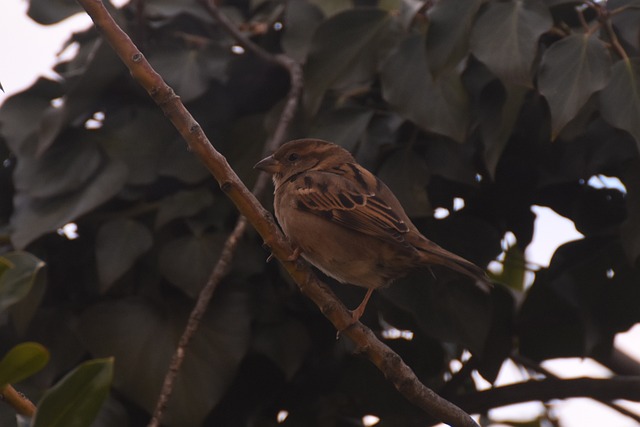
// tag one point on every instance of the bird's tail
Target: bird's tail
(432, 254)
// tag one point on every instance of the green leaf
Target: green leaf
(48, 12)
(571, 70)
(66, 167)
(18, 112)
(514, 269)
(331, 7)
(407, 175)
(21, 362)
(190, 71)
(498, 122)
(76, 399)
(183, 204)
(119, 243)
(302, 19)
(143, 338)
(177, 162)
(442, 308)
(344, 126)
(34, 217)
(450, 23)
(86, 84)
(515, 26)
(17, 280)
(23, 311)
(188, 261)
(620, 99)
(436, 105)
(286, 343)
(345, 51)
(143, 158)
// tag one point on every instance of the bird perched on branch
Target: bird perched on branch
(346, 222)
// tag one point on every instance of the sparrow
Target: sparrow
(347, 223)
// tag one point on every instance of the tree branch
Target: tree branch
(380, 355)
(17, 401)
(529, 364)
(552, 388)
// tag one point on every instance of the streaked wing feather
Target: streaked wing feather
(334, 197)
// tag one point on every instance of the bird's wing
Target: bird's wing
(349, 195)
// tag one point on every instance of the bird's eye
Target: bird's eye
(293, 157)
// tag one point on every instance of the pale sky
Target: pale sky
(29, 50)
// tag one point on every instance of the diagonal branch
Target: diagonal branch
(396, 371)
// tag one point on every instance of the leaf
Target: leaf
(34, 217)
(143, 158)
(442, 309)
(101, 68)
(302, 19)
(626, 23)
(498, 122)
(620, 100)
(76, 399)
(23, 311)
(630, 228)
(440, 106)
(18, 112)
(48, 12)
(189, 71)
(405, 9)
(176, 161)
(571, 70)
(188, 261)
(17, 280)
(331, 7)
(343, 126)
(119, 243)
(515, 26)
(183, 204)
(345, 51)
(407, 175)
(285, 343)
(450, 23)
(66, 167)
(514, 269)
(21, 362)
(143, 337)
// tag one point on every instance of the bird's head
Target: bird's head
(303, 155)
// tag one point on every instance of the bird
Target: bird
(346, 222)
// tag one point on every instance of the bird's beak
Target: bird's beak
(268, 164)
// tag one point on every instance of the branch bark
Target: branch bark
(378, 353)
(18, 401)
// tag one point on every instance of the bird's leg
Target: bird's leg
(359, 311)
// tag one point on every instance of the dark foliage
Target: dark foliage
(503, 104)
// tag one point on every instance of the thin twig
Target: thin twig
(365, 341)
(223, 264)
(243, 41)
